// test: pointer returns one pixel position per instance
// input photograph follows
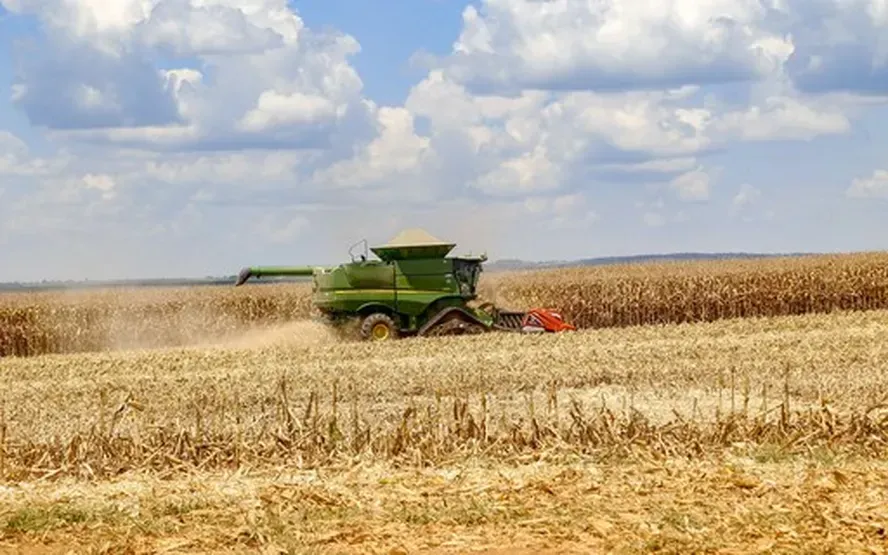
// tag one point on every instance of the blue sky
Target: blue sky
(148, 138)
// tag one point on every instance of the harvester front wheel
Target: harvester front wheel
(379, 327)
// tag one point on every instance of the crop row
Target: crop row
(590, 297)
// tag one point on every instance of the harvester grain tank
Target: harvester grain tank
(414, 288)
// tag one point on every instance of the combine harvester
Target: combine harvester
(415, 289)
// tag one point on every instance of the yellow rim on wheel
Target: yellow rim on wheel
(380, 331)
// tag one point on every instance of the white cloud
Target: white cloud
(784, 118)
(255, 132)
(693, 185)
(274, 82)
(874, 186)
(103, 183)
(536, 143)
(12, 152)
(397, 152)
(183, 27)
(278, 110)
(745, 196)
(527, 172)
(281, 227)
(570, 212)
(653, 122)
(564, 44)
(838, 45)
(746, 205)
(670, 124)
(213, 28)
(657, 165)
(822, 45)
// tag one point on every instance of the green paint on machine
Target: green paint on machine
(414, 288)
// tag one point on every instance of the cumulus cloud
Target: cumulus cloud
(874, 186)
(594, 45)
(552, 141)
(746, 196)
(838, 45)
(12, 152)
(251, 75)
(693, 185)
(281, 227)
(397, 152)
(781, 117)
(72, 85)
(823, 45)
(563, 212)
(537, 142)
(186, 28)
(231, 124)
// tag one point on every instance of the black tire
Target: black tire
(379, 327)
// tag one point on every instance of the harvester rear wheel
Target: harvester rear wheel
(379, 327)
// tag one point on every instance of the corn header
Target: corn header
(414, 289)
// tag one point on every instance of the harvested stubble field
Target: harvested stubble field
(745, 435)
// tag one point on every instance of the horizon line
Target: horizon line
(210, 279)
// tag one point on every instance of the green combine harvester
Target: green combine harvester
(414, 289)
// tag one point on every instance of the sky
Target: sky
(187, 138)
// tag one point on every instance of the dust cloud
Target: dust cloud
(189, 329)
(113, 320)
(189, 326)
(300, 333)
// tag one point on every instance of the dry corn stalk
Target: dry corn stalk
(590, 297)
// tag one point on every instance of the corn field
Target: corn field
(591, 297)
(670, 293)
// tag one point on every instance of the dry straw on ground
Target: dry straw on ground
(746, 434)
(798, 383)
(710, 505)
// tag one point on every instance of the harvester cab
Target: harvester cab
(363, 255)
(413, 289)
